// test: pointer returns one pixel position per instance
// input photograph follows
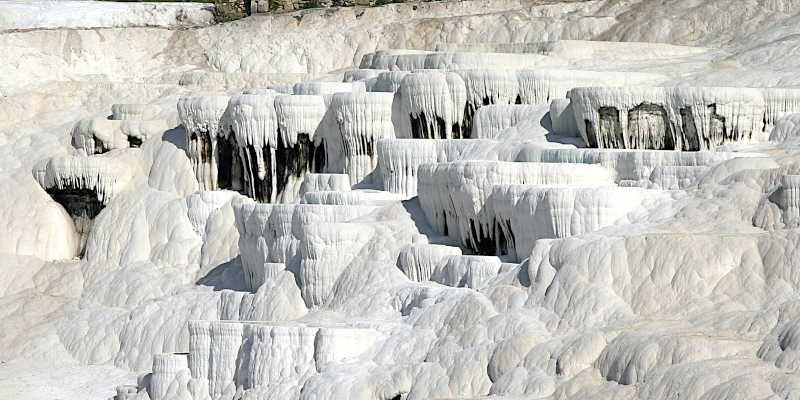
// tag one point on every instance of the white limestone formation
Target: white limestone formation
(274, 153)
(631, 165)
(690, 119)
(399, 160)
(389, 81)
(262, 357)
(207, 140)
(676, 177)
(84, 186)
(527, 213)
(435, 103)
(352, 198)
(787, 127)
(324, 182)
(410, 61)
(360, 120)
(454, 195)
(96, 136)
(355, 75)
(137, 112)
(326, 249)
(534, 200)
(170, 376)
(562, 118)
(490, 120)
(419, 261)
(322, 88)
(486, 87)
(272, 233)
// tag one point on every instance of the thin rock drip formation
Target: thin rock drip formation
(83, 186)
(209, 146)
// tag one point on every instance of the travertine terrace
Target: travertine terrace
(494, 199)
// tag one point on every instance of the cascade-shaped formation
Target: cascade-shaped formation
(454, 194)
(399, 160)
(169, 377)
(256, 274)
(466, 271)
(271, 233)
(228, 358)
(199, 355)
(779, 101)
(485, 87)
(688, 119)
(361, 119)
(209, 147)
(790, 200)
(321, 88)
(301, 150)
(326, 249)
(254, 125)
(138, 112)
(787, 127)
(96, 136)
(527, 213)
(83, 186)
(265, 233)
(676, 177)
(419, 261)
(434, 102)
(537, 86)
(490, 120)
(226, 339)
(324, 182)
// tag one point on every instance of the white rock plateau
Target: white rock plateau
(477, 199)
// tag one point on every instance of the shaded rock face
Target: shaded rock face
(82, 205)
(238, 167)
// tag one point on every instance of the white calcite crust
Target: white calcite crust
(527, 213)
(202, 116)
(241, 210)
(454, 195)
(359, 121)
(670, 118)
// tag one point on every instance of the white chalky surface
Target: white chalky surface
(503, 199)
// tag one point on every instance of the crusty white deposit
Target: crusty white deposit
(506, 199)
